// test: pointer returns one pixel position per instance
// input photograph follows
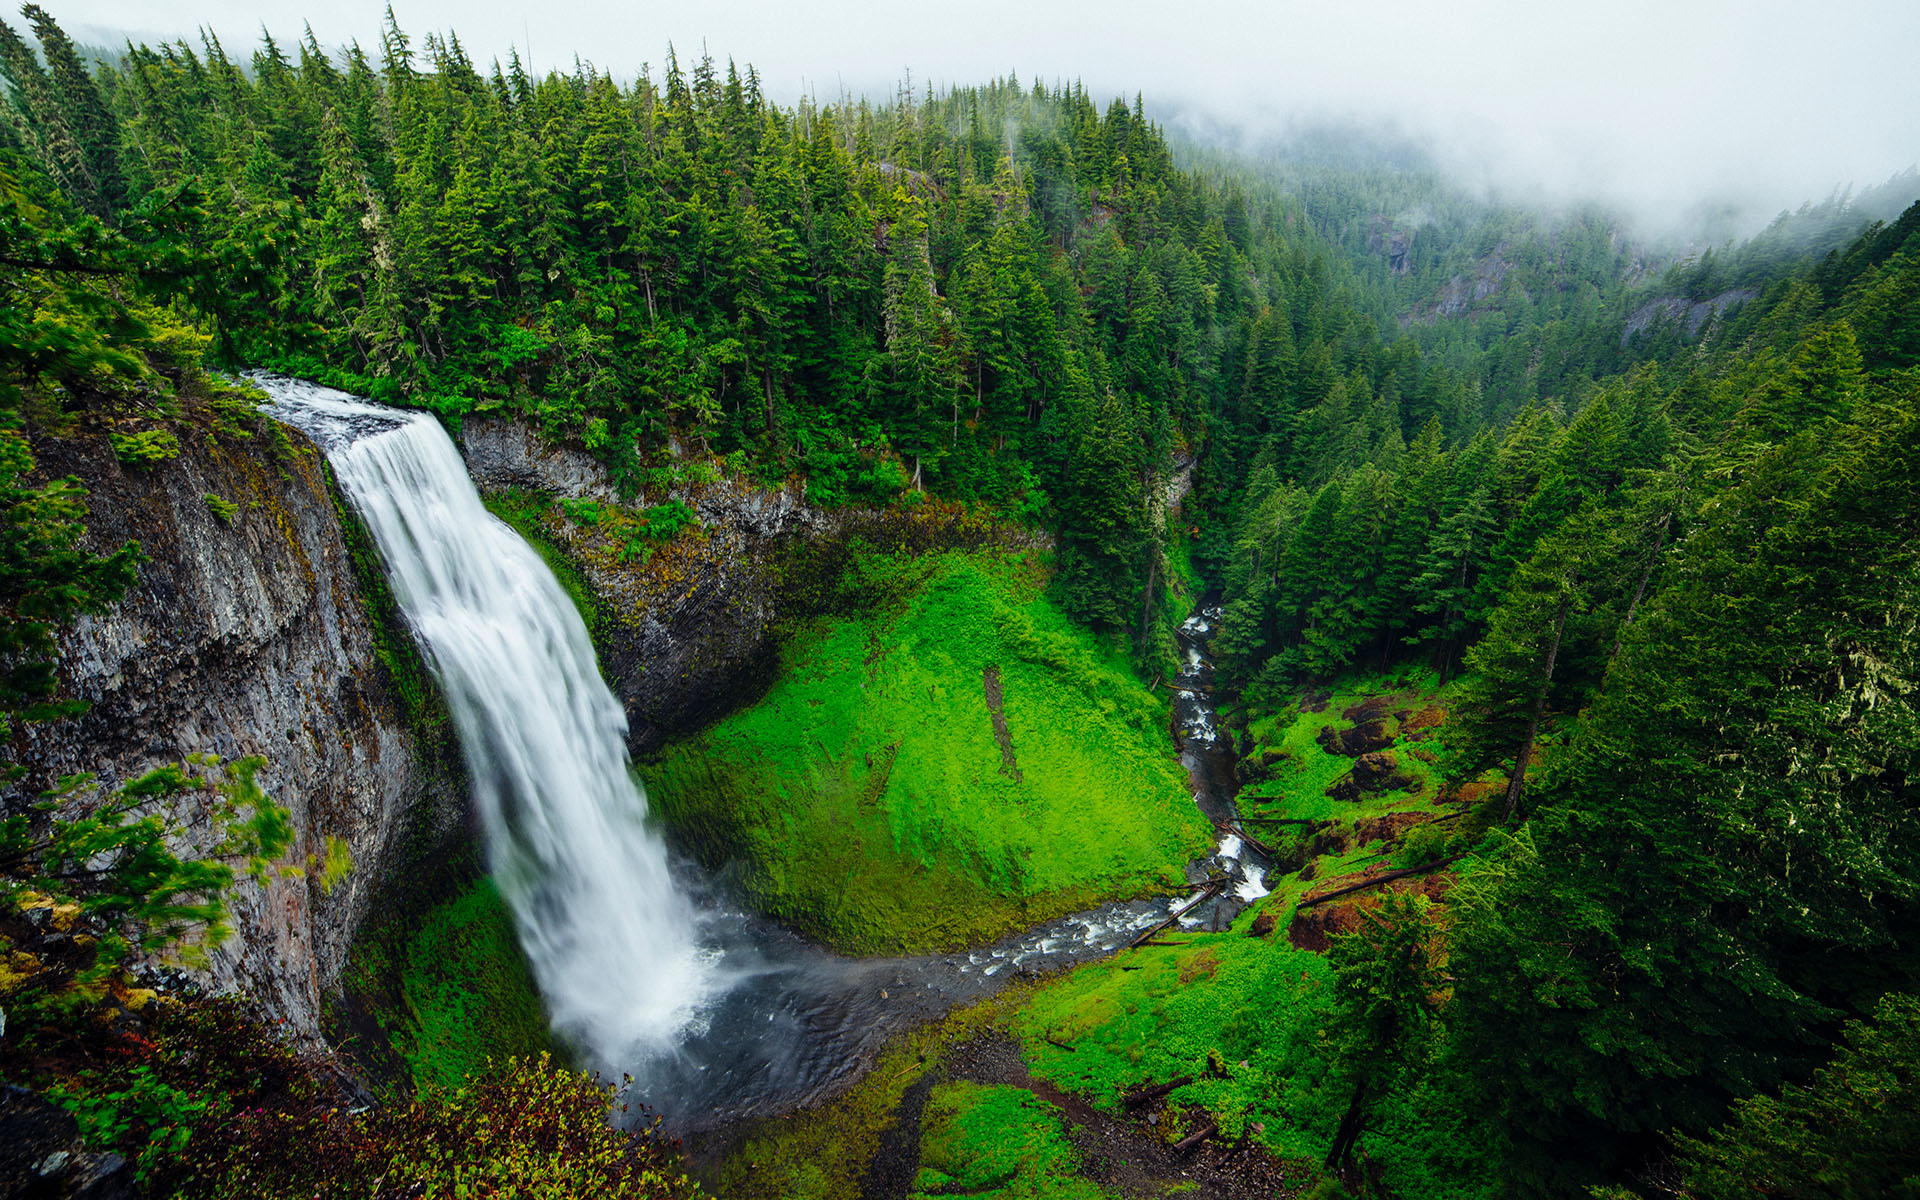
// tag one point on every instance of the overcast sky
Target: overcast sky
(1657, 105)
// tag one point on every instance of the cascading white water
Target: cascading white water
(611, 940)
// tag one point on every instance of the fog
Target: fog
(1661, 109)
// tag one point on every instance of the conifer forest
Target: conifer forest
(594, 632)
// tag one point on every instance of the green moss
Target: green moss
(869, 796)
(1297, 780)
(1158, 1013)
(468, 992)
(997, 1142)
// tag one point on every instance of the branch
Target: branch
(1389, 877)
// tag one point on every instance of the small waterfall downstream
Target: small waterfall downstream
(611, 939)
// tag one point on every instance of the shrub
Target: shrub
(145, 448)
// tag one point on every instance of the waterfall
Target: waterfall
(611, 940)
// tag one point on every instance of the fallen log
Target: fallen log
(1240, 831)
(1143, 1096)
(1279, 820)
(1207, 893)
(1053, 1041)
(1389, 877)
(1196, 1137)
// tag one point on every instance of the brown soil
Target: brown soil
(1388, 828)
(1431, 717)
(1374, 734)
(1314, 928)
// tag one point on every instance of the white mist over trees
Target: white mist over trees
(1659, 109)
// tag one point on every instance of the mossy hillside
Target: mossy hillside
(1201, 1008)
(995, 1141)
(1289, 770)
(1245, 1015)
(436, 983)
(871, 802)
(469, 991)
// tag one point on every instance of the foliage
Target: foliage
(1725, 855)
(144, 448)
(467, 992)
(144, 1115)
(224, 510)
(113, 858)
(997, 1142)
(870, 800)
(1385, 985)
(1852, 1131)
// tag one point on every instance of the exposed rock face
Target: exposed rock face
(1678, 309)
(695, 636)
(241, 639)
(687, 650)
(1385, 238)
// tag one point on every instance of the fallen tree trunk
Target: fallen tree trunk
(1196, 1137)
(1240, 831)
(1143, 1096)
(1207, 893)
(1389, 877)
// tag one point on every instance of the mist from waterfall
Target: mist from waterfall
(612, 941)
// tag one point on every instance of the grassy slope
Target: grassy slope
(999, 1143)
(867, 795)
(1241, 1014)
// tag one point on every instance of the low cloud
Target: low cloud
(1663, 110)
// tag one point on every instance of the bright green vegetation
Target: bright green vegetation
(872, 801)
(1159, 1013)
(1000, 1142)
(436, 983)
(1288, 770)
(1250, 1018)
(1252, 1021)
(468, 993)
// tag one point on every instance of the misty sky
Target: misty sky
(1656, 106)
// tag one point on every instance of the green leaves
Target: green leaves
(115, 856)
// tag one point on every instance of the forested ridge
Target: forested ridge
(1667, 560)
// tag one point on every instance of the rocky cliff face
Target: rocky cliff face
(245, 637)
(693, 630)
(694, 625)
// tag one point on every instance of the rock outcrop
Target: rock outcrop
(245, 635)
(693, 634)
(694, 631)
